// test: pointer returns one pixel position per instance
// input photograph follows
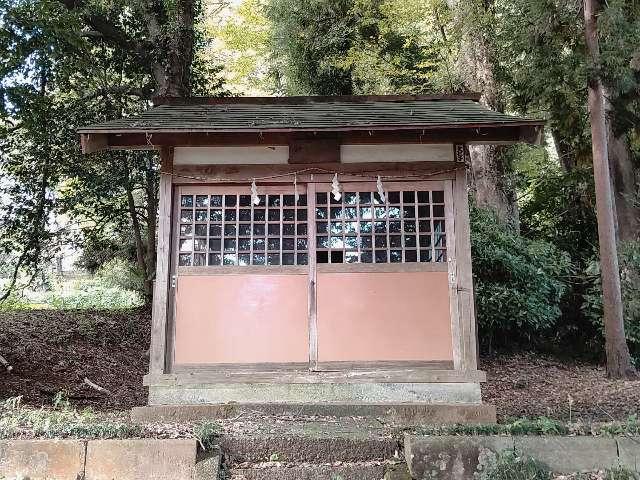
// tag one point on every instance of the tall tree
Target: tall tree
(619, 364)
(490, 169)
(324, 47)
(100, 60)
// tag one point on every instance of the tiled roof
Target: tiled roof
(308, 113)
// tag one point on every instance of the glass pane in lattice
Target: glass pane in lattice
(228, 229)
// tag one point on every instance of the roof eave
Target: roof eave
(94, 140)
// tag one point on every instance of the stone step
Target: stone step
(335, 471)
(398, 413)
(307, 448)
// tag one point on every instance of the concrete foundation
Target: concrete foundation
(429, 393)
(399, 414)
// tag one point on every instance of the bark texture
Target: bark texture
(624, 178)
(172, 39)
(489, 178)
(619, 363)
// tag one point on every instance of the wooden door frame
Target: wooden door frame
(461, 298)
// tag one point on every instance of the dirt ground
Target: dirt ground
(54, 351)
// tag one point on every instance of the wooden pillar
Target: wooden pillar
(464, 277)
(160, 312)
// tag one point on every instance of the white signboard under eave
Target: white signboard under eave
(273, 155)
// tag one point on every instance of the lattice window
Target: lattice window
(409, 226)
(227, 229)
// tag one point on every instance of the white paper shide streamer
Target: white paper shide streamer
(335, 188)
(380, 188)
(296, 194)
(255, 199)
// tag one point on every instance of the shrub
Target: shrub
(629, 255)
(119, 273)
(519, 283)
(91, 294)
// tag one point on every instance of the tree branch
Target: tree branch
(144, 93)
(100, 27)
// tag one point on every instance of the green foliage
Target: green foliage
(119, 273)
(15, 301)
(507, 465)
(630, 427)
(521, 426)
(54, 77)
(324, 47)
(207, 434)
(629, 257)
(90, 294)
(519, 283)
(560, 208)
(308, 35)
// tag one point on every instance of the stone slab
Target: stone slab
(570, 454)
(162, 459)
(42, 459)
(629, 452)
(305, 448)
(398, 413)
(311, 472)
(451, 457)
(430, 393)
(207, 468)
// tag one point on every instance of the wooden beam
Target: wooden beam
(219, 374)
(464, 276)
(474, 133)
(160, 311)
(452, 257)
(314, 150)
(198, 174)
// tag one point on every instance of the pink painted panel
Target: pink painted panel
(384, 316)
(248, 318)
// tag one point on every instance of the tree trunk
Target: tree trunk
(151, 189)
(137, 236)
(625, 187)
(618, 359)
(173, 38)
(489, 167)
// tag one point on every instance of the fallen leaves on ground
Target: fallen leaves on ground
(528, 385)
(54, 350)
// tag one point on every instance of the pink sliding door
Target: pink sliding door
(382, 273)
(310, 280)
(241, 293)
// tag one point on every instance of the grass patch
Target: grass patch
(537, 426)
(507, 465)
(522, 426)
(59, 421)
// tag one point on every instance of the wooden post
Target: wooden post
(160, 311)
(466, 309)
(618, 359)
(313, 314)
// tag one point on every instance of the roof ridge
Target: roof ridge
(302, 100)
